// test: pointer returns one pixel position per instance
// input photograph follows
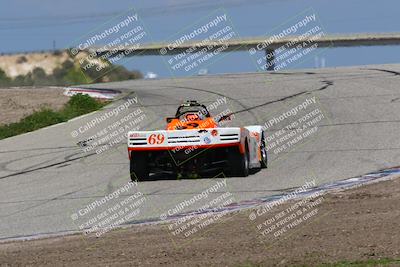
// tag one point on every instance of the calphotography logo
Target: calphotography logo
(293, 126)
(115, 42)
(276, 219)
(109, 129)
(188, 219)
(113, 210)
(289, 44)
(195, 48)
(204, 122)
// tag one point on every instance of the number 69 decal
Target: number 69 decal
(155, 139)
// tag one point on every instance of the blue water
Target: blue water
(27, 25)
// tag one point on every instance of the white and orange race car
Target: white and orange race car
(193, 143)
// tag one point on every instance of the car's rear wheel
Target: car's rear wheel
(238, 162)
(264, 155)
(138, 166)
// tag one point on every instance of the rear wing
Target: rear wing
(169, 140)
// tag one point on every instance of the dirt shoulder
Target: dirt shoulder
(357, 225)
(17, 103)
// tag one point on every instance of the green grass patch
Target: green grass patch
(77, 105)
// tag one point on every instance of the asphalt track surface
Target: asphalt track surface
(45, 177)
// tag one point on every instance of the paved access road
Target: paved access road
(45, 177)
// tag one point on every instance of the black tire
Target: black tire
(238, 162)
(264, 155)
(138, 166)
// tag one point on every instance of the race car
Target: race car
(194, 144)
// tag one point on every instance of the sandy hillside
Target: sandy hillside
(16, 103)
